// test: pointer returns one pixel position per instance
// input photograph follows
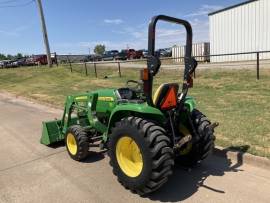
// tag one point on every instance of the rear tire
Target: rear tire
(77, 142)
(154, 148)
(197, 152)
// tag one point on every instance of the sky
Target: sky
(76, 26)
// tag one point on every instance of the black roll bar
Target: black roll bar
(151, 49)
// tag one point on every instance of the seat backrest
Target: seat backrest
(162, 93)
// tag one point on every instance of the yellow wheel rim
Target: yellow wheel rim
(186, 150)
(71, 144)
(129, 156)
(188, 147)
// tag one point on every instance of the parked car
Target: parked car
(165, 52)
(169, 52)
(3, 64)
(94, 57)
(139, 54)
(144, 53)
(30, 61)
(19, 62)
(41, 59)
(6, 64)
(110, 55)
(133, 54)
(13, 64)
(122, 55)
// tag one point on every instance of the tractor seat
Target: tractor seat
(163, 92)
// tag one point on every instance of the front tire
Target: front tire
(77, 142)
(140, 155)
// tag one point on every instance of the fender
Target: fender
(140, 110)
(190, 103)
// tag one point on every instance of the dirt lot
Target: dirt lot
(31, 172)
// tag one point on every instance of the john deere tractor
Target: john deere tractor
(145, 135)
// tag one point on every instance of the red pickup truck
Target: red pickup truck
(132, 54)
(42, 59)
(129, 54)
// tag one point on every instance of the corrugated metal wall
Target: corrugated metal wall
(198, 49)
(245, 28)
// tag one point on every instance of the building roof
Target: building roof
(231, 7)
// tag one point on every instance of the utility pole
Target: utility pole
(44, 31)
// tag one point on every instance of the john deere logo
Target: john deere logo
(108, 99)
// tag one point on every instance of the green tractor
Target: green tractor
(144, 135)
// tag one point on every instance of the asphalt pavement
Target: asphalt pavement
(31, 172)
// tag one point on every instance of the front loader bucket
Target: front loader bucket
(51, 132)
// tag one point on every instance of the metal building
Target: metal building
(200, 50)
(244, 27)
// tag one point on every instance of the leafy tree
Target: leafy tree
(9, 57)
(99, 49)
(2, 57)
(18, 56)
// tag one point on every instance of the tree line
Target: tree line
(11, 57)
(99, 49)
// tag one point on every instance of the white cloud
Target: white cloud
(142, 33)
(9, 33)
(204, 10)
(164, 33)
(113, 21)
(15, 32)
(200, 30)
(136, 32)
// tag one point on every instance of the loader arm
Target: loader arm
(54, 131)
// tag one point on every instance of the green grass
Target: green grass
(234, 98)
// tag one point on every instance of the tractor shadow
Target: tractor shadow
(57, 145)
(94, 156)
(185, 182)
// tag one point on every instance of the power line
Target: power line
(18, 5)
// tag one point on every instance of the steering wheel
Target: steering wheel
(137, 88)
